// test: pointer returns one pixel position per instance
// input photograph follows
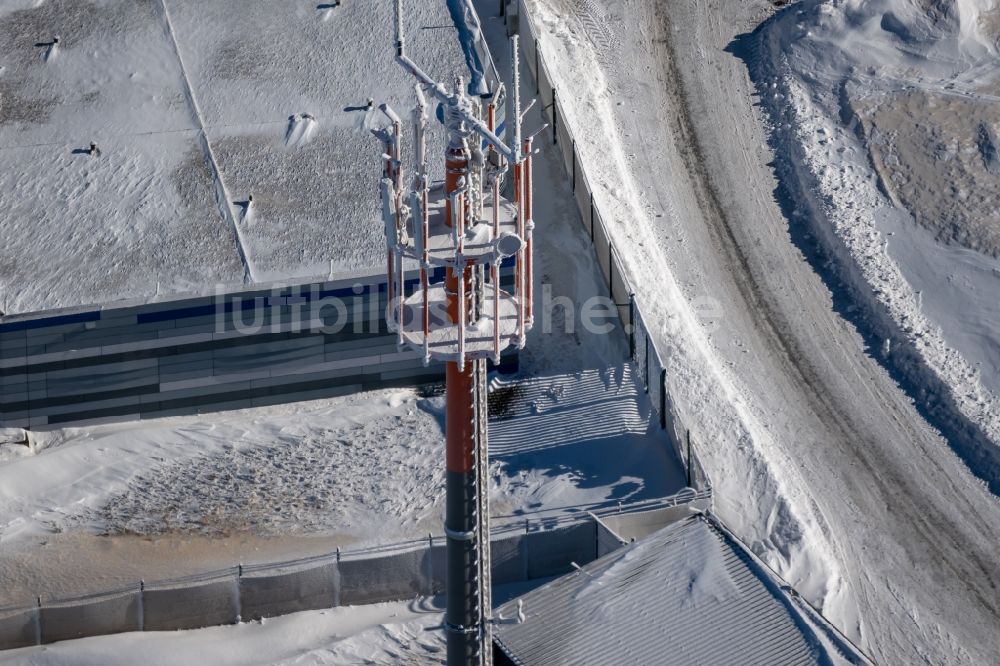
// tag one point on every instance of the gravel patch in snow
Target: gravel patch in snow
(936, 156)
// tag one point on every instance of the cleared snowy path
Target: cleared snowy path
(817, 456)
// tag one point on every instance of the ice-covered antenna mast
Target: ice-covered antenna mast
(515, 66)
(399, 28)
(441, 93)
(464, 228)
(419, 134)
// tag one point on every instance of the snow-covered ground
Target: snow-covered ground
(820, 460)
(95, 508)
(183, 495)
(194, 106)
(390, 633)
(887, 110)
(387, 634)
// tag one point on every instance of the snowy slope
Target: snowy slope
(888, 113)
(760, 491)
(820, 460)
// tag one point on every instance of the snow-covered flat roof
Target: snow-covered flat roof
(193, 107)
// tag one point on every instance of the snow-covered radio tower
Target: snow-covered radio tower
(466, 227)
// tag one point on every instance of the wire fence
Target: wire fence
(521, 552)
(523, 549)
(642, 347)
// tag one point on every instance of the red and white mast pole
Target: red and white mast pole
(453, 227)
(464, 612)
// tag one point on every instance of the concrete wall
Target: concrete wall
(231, 351)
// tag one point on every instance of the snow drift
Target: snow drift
(885, 124)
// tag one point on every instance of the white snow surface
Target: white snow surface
(888, 108)
(94, 508)
(194, 106)
(389, 634)
(820, 460)
(386, 634)
(759, 490)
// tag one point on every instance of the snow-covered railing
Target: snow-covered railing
(647, 358)
(523, 549)
(699, 499)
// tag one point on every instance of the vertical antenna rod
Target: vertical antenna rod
(399, 28)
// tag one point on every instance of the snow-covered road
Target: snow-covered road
(819, 459)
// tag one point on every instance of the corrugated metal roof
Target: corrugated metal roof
(683, 595)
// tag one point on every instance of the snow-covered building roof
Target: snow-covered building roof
(687, 594)
(193, 107)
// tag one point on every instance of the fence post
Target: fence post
(611, 269)
(631, 326)
(538, 72)
(688, 458)
(597, 535)
(38, 621)
(663, 399)
(573, 159)
(430, 563)
(646, 377)
(591, 218)
(555, 117)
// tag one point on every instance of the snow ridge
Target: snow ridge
(789, 531)
(843, 199)
(222, 197)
